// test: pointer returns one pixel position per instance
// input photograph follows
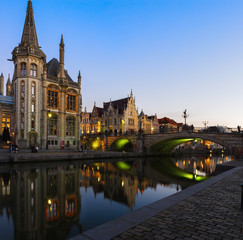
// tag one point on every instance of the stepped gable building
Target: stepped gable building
(46, 102)
(121, 116)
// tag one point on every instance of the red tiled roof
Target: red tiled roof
(166, 120)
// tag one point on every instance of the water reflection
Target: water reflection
(60, 200)
(200, 165)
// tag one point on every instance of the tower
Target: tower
(29, 61)
(1, 84)
(9, 87)
(61, 72)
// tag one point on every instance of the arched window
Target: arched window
(23, 69)
(33, 70)
(53, 124)
(70, 126)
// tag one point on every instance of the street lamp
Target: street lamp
(49, 115)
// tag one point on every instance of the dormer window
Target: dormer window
(23, 69)
(33, 70)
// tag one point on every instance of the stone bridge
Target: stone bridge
(148, 141)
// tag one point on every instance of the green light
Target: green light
(123, 165)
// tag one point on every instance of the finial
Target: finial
(79, 74)
(85, 109)
(95, 104)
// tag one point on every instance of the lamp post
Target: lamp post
(49, 115)
(205, 124)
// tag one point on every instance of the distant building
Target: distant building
(96, 120)
(121, 116)
(85, 124)
(168, 125)
(154, 123)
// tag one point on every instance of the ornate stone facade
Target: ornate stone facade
(47, 102)
(121, 116)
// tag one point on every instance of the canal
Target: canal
(61, 200)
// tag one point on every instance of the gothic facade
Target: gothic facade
(46, 102)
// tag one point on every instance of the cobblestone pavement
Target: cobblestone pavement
(213, 213)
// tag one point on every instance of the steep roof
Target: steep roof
(52, 69)
(100, 111)
(166, 120)
(29, 35)
(120, 105)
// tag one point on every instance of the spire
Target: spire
(79, 78)
(29, 35)
(61, 54)
(8, 82)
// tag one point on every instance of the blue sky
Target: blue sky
(174, 54)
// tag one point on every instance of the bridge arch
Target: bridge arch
(122, 144)
(165, 144)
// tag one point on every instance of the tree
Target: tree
(6, 134)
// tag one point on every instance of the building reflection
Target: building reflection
(120, 185)
(44, 203)
(200, 165)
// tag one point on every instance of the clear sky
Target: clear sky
(174, 54)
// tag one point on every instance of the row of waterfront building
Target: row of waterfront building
(121, 117)
(43, 104)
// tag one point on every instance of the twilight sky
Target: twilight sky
(174, 54)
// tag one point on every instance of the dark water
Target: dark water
(60, 200)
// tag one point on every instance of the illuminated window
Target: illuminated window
(52, 210)
(53, 125)
(6, 121)
(23, 69)
(71, 102)
(33, 70)
(33, 107)
(70, 206)
(70, 126)
(52, 99)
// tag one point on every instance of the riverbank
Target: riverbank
(207, 210)
(48, 156)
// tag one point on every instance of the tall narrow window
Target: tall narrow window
(22, 87)
(70, 126)
(52, 100)
(33, 107)
(6, 121)
(33, 89)
(32, 122)
(53, 124)
(23, 69)
(71, 102)
(33, 70)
